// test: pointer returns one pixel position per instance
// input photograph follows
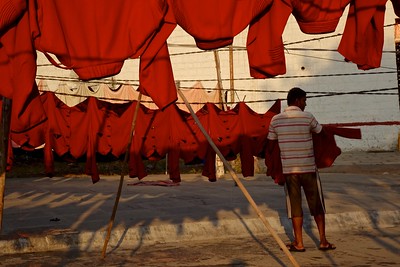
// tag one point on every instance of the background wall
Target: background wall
(312, 63)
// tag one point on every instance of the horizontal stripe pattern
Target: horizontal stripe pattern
(293, 129)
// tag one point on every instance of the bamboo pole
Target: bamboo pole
(397, 48)
(239, 183)
(4, 135)
(219, 79)
(121, 180)
(220, 165)
(231, 73)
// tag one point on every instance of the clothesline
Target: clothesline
(122, 81)
(379, 91)
(323, 94)
(236, 48)
(125, 93)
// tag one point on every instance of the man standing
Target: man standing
(293, 130)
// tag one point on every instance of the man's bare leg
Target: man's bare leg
(297, 223)
(320, 221)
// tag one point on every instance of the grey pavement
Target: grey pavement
(44, 214)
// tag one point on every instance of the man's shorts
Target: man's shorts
(312, 189)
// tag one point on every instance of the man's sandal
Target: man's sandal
(292, 248)
(329, 247)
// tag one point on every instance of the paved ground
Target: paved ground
(45, 214)
(366, 248)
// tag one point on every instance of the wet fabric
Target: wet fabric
(363, 35)
(325, 150)
(95, 127)
(214, 24)
(18, 67)
(264, 42)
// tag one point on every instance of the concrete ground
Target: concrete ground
(45, 214)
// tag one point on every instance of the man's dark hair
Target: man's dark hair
(294, 94)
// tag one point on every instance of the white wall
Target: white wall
(191, 64)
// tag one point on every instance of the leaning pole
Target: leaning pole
(121, 180)
(239, 183)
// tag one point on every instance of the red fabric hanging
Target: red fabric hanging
(76, 127)
(224, 129)
(105, 116)
(10, 12)
(155, 69)
(116, 128)
(213, 24)
(161, 138)
(54, 139)
(237, 131)
(95, 120)
(30, 139)
(253, 138)
(318, 16)
(193, 143)
(325, 150)
(264, 42)
(136, 166)
(78, 24)
(56, 128)
(363, 35)
(18, 67)
(179, 131)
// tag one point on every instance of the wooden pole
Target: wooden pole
(4, 135)
(397, 47)
(231, 78)
(121, 180)
(219, 79)
(239, 183)
(219, 164)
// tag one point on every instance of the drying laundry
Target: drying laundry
(325, 150)
(214, 24)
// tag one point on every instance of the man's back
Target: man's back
(292, 128)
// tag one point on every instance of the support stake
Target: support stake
(4, 135)
(121, 180)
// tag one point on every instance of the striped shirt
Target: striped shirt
(293, 129)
